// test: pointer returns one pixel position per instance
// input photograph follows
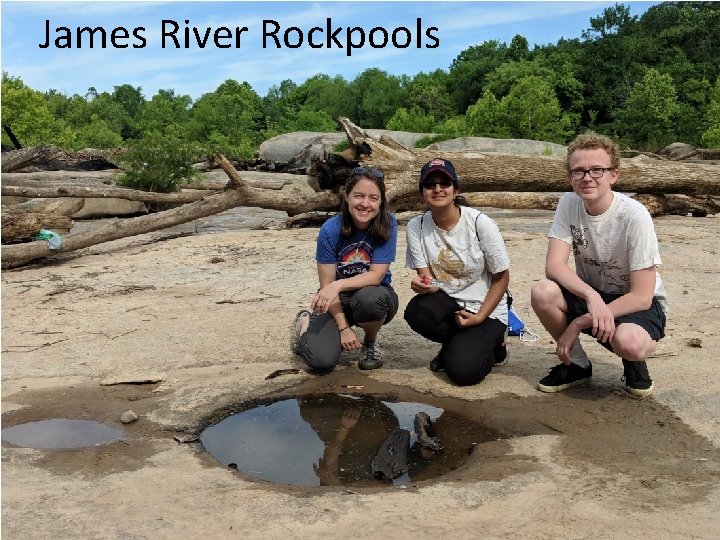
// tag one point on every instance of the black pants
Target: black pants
(320, 345)
(468, 353)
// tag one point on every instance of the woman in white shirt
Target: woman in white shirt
(462, 278)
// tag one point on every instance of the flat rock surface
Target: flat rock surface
(211, 311)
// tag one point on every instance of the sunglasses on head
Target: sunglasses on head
(364, 171)
(443, 183)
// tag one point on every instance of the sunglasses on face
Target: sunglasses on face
(443, 183)
(363, 171)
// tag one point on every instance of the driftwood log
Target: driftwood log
(391, 459)
(61, 207)
(54, 158)
(487, 172)
(423, 427)
(238, 193)
(22, 222)
(17, 159)
(680, 205)
(24, 226)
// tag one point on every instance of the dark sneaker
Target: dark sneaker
(564, 376)
(296, 330)
(636, 377)
(436, 364)
(501, 354)
(370, 357)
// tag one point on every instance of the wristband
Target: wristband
(343, 329)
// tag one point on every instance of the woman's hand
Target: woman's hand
(324, 297)
(350, 417)
(421, 285)
(349, 340)
(465, 318)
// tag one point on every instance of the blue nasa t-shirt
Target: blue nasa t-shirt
(354, 255)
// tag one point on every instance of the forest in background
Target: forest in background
(646, 81)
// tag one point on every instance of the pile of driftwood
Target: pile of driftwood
(488, 179)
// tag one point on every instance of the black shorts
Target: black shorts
(652, 319)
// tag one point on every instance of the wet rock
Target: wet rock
(422, 431)
(391, 459)
(128, 417)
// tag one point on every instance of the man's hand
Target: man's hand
(603, 320)
(566, 342)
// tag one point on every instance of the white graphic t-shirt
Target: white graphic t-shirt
(463, 258)
(609, 246)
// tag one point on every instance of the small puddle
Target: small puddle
(60, 433)
(332, 439)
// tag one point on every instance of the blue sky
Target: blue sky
(194, 71)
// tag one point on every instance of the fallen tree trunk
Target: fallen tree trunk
(62, 207)
(494, 199)
(24, 226)
(237, 194)
(500, 172)
(680, 205)
(24, 157)
(102, 193)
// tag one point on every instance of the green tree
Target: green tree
(276, 100)
(228, 120)
(533, 111)
(163, 111)
(378, 95)
(307, 119)
(97, 134)
(411, 120)
(647, 120)
(428, 93)
(711, 136)
(28, 114)
(131, 100)
(159, 162)
(488, 117)
(466, 78)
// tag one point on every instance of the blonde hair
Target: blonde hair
(591, 141)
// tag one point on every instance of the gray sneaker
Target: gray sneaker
(370, 357)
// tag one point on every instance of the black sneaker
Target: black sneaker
(636, 377)
(501, 354)
(436, 364)
(370, 357)
(564, 376)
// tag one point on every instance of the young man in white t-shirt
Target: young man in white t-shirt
(614, 293)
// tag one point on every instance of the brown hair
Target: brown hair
(380, 226)
(591, 141)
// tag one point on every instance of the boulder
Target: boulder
(517, 147)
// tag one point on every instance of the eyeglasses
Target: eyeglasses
(372, 171)
(430, 184)
(595, 173)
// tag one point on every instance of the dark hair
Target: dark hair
(459, 200)
(380, 226)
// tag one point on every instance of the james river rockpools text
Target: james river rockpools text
(174, 35)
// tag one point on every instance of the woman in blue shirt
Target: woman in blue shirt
(354, 251)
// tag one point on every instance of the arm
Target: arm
(599, 317)
(498, 285)
(330, 287)
(639, 298)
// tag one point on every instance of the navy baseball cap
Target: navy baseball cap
(440, 165)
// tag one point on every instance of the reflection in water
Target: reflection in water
(57, 433)
(331, 440)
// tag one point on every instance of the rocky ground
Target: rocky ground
(208, 314)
